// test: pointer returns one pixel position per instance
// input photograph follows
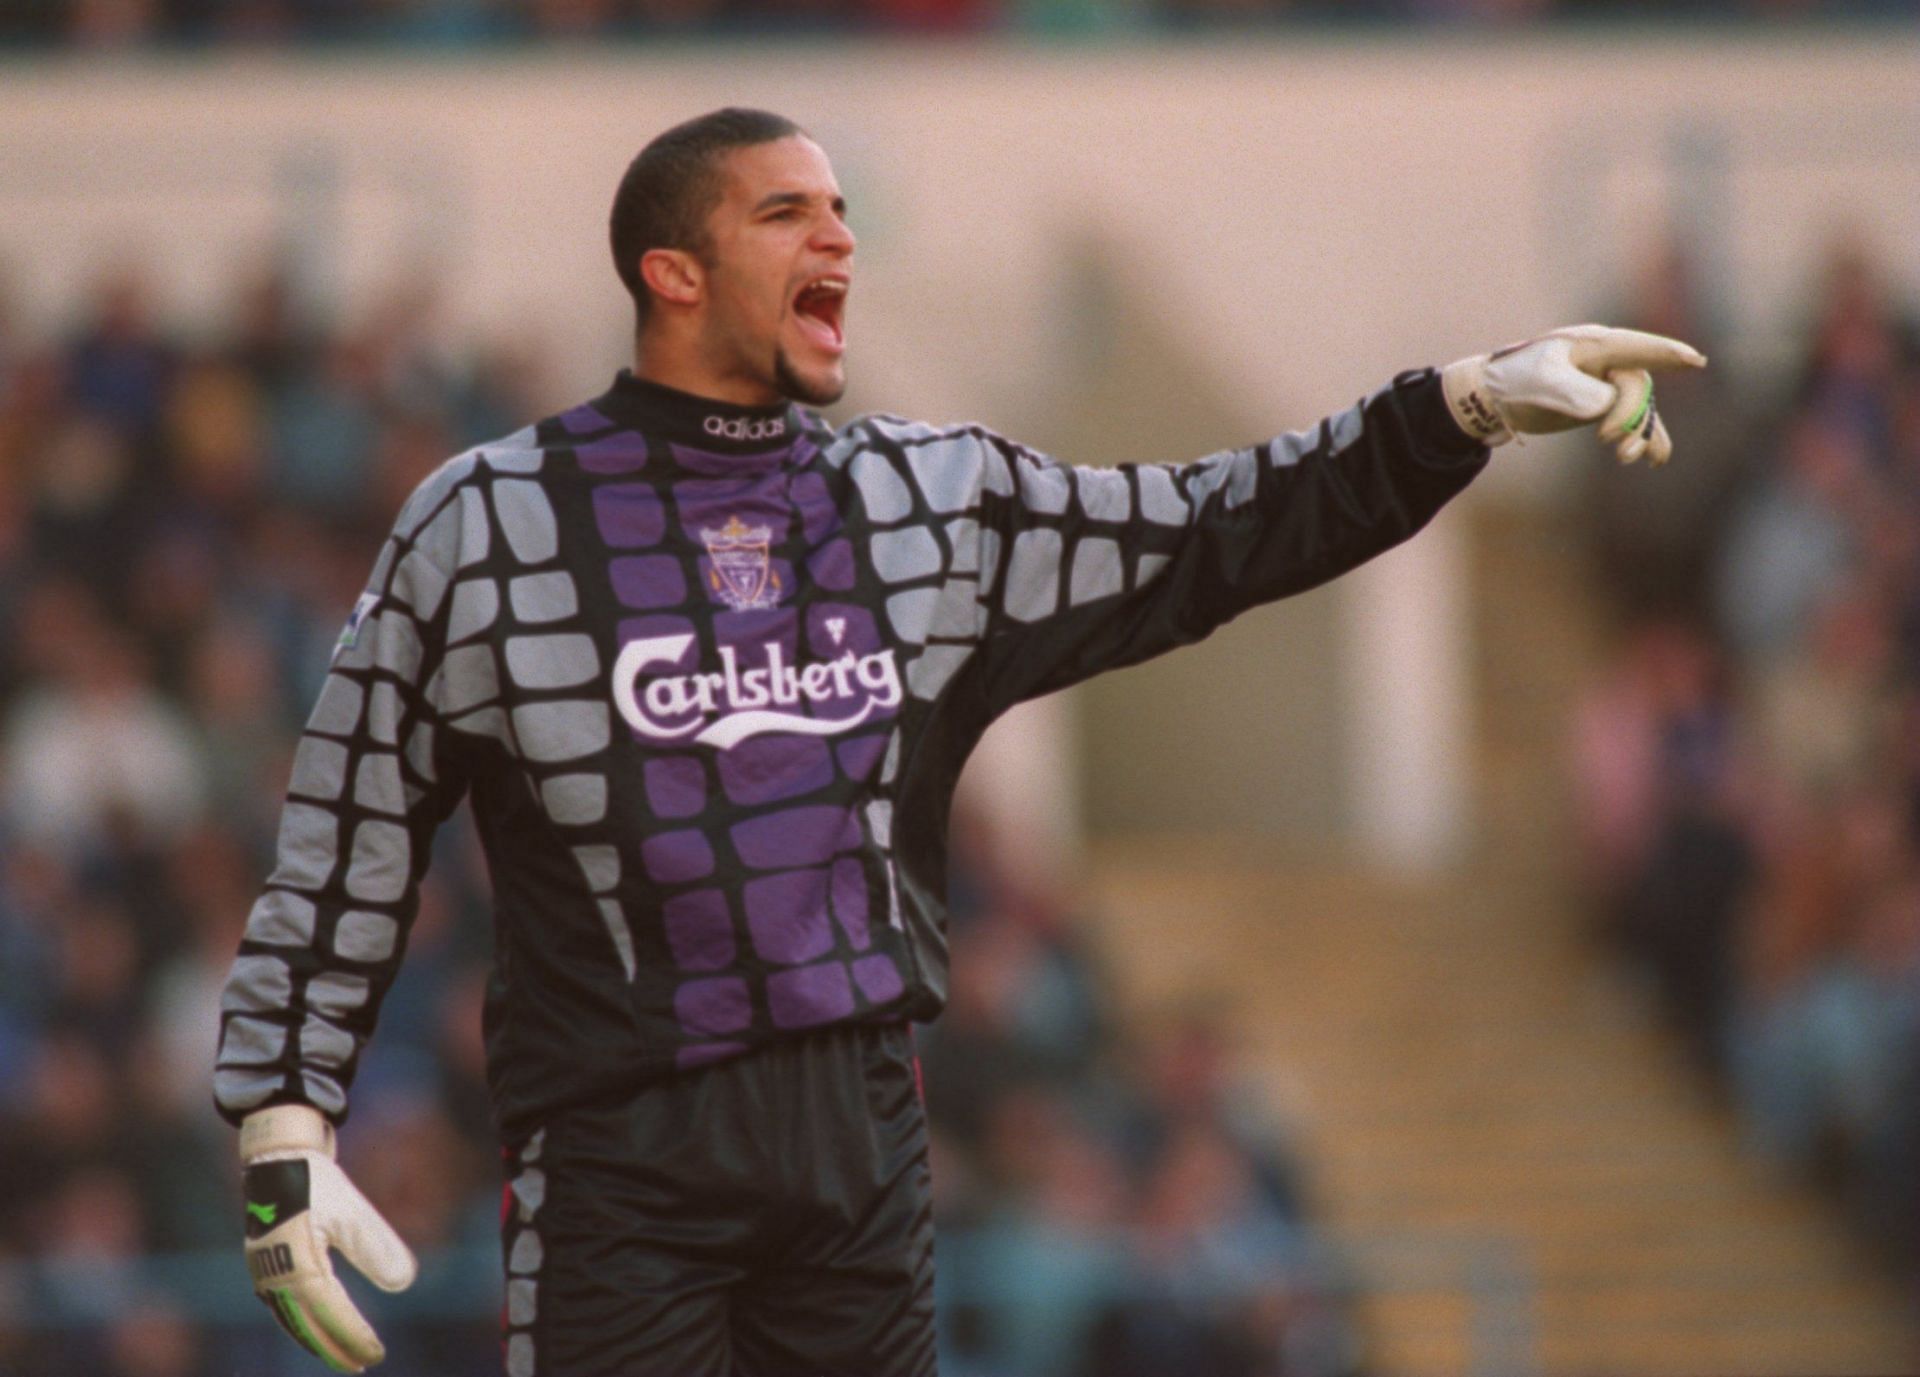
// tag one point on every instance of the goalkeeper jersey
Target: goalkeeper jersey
(708, 674)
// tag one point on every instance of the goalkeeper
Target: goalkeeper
(708, 668)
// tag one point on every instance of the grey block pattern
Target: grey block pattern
(420, 751)
(890, 764)
(427, 498)
(911, 613)
(528, 1253)
(566, 730)
(575, 800)
(520, 1301)
(420, 584)
(963, 536)
(882, 488)
(1160, 500)
(880, 821)
(359, 655)
(397, 647)
(1097, 570)
(257, 985)
(383, 563)
(319, 768)
(989, 561)
(382, 857)
(324, 1092)
(1243, 480)
(995, 476)
(1033, 575)
(526, 519)
(337, 711)
(241, 1088)
(280, 919)
(468, 678)
(1207, 477)
(322, 1044)
(1104, 494)
(1045, 488)
(383, 713)
(476, 602)
(363, 936)
(618, 929)
(251, 1041)
(601, 866)
(376, 784)
(908, 553)
(552, 662)
(947, 474)
(476, 535)
(308, 847)
(1295, 445)
(337, 994)
(518, 453)
(929, 672)
(1149, 569)
(959, 613)
(1344, 430)
(549, 597)
(487, 722)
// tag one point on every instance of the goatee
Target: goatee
(792, 386)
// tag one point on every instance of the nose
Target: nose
(833, 236)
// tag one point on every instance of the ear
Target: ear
(673, 275)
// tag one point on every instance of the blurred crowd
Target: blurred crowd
(1748, 768)
(183, 524)
(117, 23)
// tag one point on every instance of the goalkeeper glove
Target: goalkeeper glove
(1566, 379)
(300, 1204)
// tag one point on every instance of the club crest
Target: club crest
(741, 574)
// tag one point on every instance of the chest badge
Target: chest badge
(738, 568)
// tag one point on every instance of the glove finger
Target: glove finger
(292, 1314)
(1572, 391)
(1604, 348)
(1659, 444)
(1630, 411)
(362, 1236)
(338, 1323)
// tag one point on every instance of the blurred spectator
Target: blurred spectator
(121, 24)
(1749, 793)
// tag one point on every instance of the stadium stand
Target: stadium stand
(1746, 769)
(124, 23)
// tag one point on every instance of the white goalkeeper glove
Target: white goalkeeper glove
(300, 1204)
(1567, 379)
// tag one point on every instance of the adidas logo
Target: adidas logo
(739, 428)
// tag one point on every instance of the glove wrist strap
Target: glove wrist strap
(284, 1130)
(1464, 384)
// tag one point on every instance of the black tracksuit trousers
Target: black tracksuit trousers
(768, 1216)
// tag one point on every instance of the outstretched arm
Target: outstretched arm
(1086, 569)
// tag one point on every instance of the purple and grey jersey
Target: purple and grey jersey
(708, 674)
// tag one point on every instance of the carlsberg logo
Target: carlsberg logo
(725, 708)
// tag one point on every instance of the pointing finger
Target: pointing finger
(1606, 348)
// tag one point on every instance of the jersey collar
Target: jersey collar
(699, 422)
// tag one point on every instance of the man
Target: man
(708, 669)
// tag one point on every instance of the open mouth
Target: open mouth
(820, 307)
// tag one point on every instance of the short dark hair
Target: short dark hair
(673, 185)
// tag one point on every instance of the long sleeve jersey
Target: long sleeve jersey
(708, 675)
